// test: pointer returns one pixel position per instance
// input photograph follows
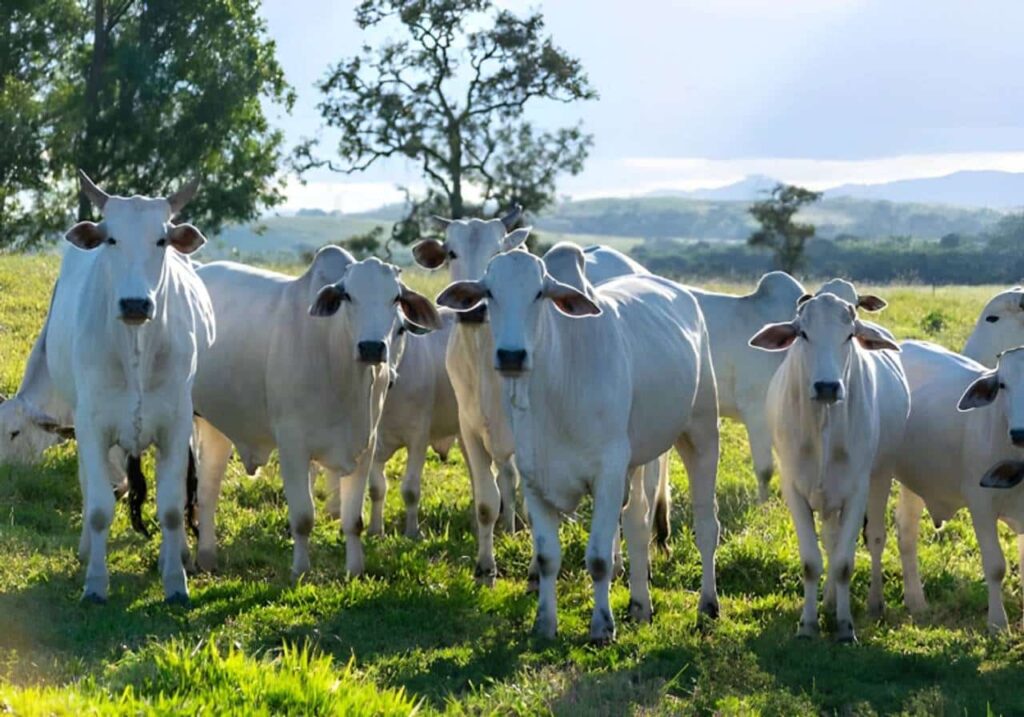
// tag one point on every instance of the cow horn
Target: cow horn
(443, 221)
(513, 216)
(93, 193)
(183, 196)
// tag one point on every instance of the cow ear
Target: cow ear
(462, 295)
(1003, 475)
(514, 238)
(870, 302)
(872, 338)
(87, 235)
(429, 253)
(775, 337)
(185, 238)
(982, 391)
(568, 300)
(418, 309)
(328, 300)
(414, 329)
(804, 299)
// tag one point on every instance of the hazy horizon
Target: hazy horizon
(700, 95)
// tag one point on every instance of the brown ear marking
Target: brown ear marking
(775, 337)
(982, 391)
(430, 253)
(1003, 475)
(328, 300)
(870, 302)
(86, 235)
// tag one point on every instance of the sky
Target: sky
(702, 93)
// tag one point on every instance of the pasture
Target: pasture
(418, 634)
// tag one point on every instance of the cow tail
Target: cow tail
(137, 495)
(663, 507)
(191, 489)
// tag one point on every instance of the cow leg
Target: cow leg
(760, 437)
(97, 506)
(874, 535)
(1020, 565)
(841, 561)
(353, 493)
(547, 551)
(171, 467)
(909, 508)
(378, 493)
(810, 556)
(488, 503)
(829, 536)
(332, 484)
(213, 462)
(415, 458)
(699, 450)
(993, 562)
(83, 539)
(295, 475)
(604, 529)
(508, 477)
(636, 524)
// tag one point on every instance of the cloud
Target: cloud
(342, 196)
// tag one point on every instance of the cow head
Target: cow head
(1000, 327)
(1003, 386)
(470, 243)
(516, 285)
(825, 332)
(848, 292)
(25, 432)
(133, 240)
(376, 306)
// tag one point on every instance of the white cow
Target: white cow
(837, 407)
(420, 411)
(590, 401)
(963, 441)
(1000, 327)
(128, 319)
(311, 386)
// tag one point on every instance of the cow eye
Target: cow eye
(401, 330)
(1002, 386)
(452, 255)
(849, 337)
(162, 241)
(111, 241)
(539, 294)
(487, 294)
(991, 319)
(15, 434)
(803, 335)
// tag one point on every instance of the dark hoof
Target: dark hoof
(807, 631)
(532, 584)
(178, 600)
(637, 613)
(709, 609)
(845, 634)
(93, 599)
(485, 576)
(602, 640)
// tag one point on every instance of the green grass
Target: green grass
(418, 634)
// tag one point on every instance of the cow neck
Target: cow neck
(990, 425)
(348, 378)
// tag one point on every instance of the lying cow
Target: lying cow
(420, 411)
(301, 365)
(837, 408)
(964, 439)
(128, 319)
(590, 401)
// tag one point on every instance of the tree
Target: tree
(169, 89)
(778, 230)
(449, 95)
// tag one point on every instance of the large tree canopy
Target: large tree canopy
(142, 94)
(448, 92)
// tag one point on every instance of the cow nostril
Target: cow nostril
(136, 309)
(511, 359)
(372, 351)
(829, 391)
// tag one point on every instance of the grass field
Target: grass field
(418, 634)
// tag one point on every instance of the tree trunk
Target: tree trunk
(455, 201)
(87, 158)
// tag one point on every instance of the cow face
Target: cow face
(515, 286)
(132, 241)
(376, 305)
(824, 333)
(1000, 327)
(1004, 387)
(470, 243)
(25, 432)
(847, 292)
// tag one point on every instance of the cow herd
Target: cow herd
(564, 376)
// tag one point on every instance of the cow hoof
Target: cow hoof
(414, 534)
(532, 584)
(545, 627)
(709, 607)
(876, 610)
(602, 628)
(807, 630)
(639, 612)
(93, 599)
(485, 577)
(844, 633)
(177, 599)
(206, 560)
(375, 531)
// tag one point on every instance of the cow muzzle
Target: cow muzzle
(136, 311)
(511, 361)
(372, 351)
(829, 391)
(1017, 437)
